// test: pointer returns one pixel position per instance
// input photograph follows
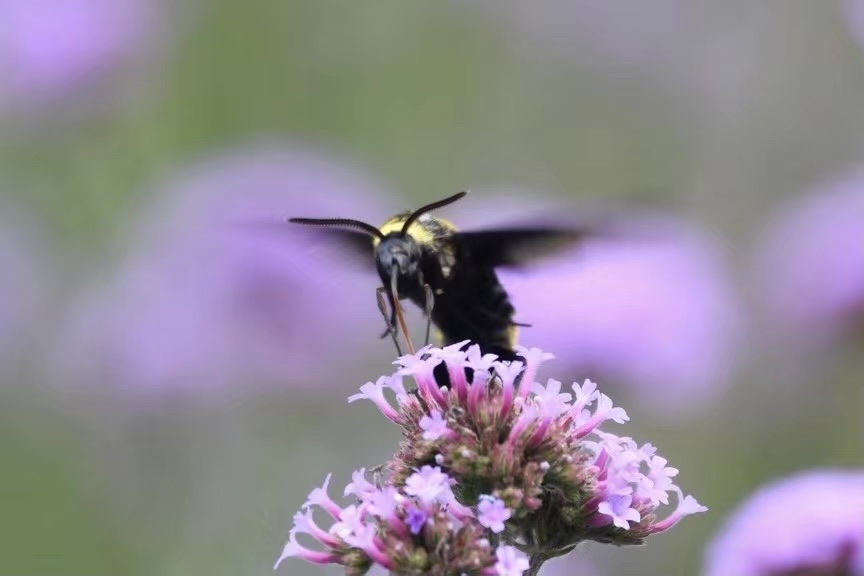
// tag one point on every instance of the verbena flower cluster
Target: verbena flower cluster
(496, 474)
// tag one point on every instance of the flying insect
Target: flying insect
(448, 273)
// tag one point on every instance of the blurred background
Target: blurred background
(172, 384)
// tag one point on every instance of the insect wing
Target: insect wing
(515, 247)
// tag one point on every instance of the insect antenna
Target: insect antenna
(343, 223)
(429, 207)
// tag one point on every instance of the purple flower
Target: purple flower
(50, 46)
(501, 475)
(215, 289)
(619, 507)
(606, 488)
(511, 562)
(359, 484)
(429, 485)
(361, 536)
(658, 481)
(415, 519)
(492, 513)
(810, 261)
(810, 523)
(434, 426)
(551, 397)
(375, 393)
(657, 313)
(354, 527)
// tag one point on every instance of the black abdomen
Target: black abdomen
(474, 306)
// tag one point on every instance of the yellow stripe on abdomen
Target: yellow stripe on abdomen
(513, 336)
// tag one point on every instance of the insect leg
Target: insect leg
(389, 319)
(391, 328)
(429, 301)
(428, 305)
(394, 297)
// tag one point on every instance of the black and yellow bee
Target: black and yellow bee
(449, 273)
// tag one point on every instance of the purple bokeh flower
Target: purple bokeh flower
(655, 310)
(50, 46)
(810, 261)
(855, 20)
(810, 523)
(217, 288)
(660, 316)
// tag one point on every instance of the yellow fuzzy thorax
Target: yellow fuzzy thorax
(425, 230)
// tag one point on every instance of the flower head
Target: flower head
(495, 458)
(545, 459)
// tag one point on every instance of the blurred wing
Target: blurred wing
(516, 247)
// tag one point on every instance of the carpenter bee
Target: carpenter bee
(448, 273)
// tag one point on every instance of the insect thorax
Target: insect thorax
(433, 234)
